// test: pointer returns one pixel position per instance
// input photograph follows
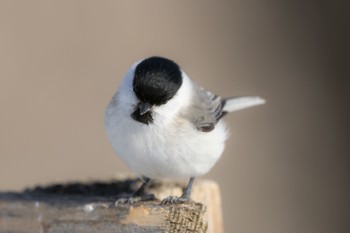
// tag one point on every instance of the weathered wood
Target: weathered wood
(203, 191)
(90, 208)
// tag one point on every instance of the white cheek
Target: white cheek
(125, 93)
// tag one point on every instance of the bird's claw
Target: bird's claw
(127, 201)
(174, 200)
(134, 200)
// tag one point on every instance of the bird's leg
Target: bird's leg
(141, 190)
(139, 195)
(185, 197)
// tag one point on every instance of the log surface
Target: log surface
(90, 207)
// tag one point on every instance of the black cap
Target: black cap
(156, 80)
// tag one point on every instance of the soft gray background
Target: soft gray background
(286, 164)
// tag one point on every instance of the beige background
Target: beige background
(285, 165)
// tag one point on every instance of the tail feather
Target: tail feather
(241, 102)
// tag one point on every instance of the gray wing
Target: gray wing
(206, 109)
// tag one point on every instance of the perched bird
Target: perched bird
(162, 124)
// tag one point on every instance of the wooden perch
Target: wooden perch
(79, 207)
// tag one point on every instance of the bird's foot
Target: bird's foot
(135, 199)
(184, 198)
(175, 200)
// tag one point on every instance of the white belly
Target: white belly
(173, 149)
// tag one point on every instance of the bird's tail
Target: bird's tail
(241, 102)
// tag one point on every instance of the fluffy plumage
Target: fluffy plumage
(181, 135)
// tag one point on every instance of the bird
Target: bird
(162, 124)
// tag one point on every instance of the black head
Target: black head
(156, 81)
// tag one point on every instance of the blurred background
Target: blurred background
(285, 168)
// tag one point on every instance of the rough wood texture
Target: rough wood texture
(90, 208)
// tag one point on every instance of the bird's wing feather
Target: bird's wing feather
(205, 110)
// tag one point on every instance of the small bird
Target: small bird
(162, 124)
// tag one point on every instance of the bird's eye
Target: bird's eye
(162, 100)
(135, 88)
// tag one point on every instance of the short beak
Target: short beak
(144, 107)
